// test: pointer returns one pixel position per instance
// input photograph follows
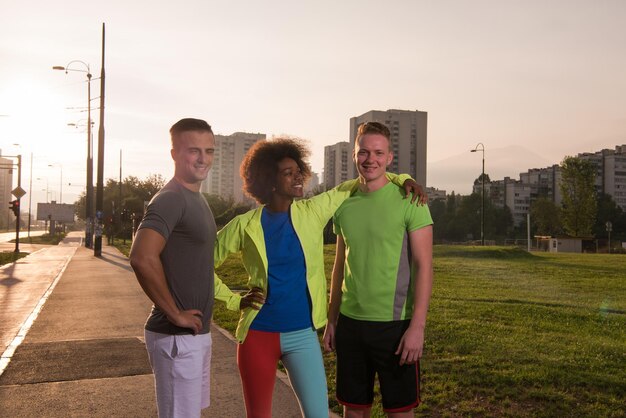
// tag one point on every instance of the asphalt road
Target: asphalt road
(8, 236)
(72, 341)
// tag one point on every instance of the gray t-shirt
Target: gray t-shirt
(185, 220)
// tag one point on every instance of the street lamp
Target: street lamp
(61, 181)
(30, 194)
(47, 189)
(482, 201)
(89, 191)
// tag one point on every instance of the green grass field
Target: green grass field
(513, 334)
(10, 257)
(45, 239)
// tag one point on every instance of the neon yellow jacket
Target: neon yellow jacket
(245, 233)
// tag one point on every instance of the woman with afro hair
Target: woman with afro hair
(281, 242)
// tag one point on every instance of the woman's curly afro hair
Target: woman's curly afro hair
(259, 167)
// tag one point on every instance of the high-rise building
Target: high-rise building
(614, 182)
(597, 159)
(408, 140)
(224, 179)
(544, 183)
(6, 185)
(517, 198)
(610, 172)
(311, 186)
(337, 160)
(515, 194)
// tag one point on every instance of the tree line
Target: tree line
(123, 207)
(582, 213)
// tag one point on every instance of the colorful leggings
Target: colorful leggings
(300, 353)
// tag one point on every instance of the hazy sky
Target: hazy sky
(539, 79)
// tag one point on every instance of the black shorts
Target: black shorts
(367, 348)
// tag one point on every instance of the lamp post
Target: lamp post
(47, 188)
(30, 194)
(60, 182)
(17, 216)
(482, 200)
(89, 190)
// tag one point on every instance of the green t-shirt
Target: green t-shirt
(378, 278)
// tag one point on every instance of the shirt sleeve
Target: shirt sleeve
(417, 216)
(163, 213)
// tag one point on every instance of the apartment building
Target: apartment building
(337, 162)
(311, 186)
(495, 191)
(435, 194)
(610, 172)
(408, 140)
(614, 181)
(597, 159)
(224, 179)
(517, 196)
(545, 183)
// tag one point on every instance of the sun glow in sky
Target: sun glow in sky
(538, 79)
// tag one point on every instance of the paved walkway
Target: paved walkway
(72, 337)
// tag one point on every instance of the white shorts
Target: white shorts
(182, 372)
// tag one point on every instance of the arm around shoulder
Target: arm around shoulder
(410, 186)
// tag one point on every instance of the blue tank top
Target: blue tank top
(287, 304)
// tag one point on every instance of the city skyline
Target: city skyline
(546, 79)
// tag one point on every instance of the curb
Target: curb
(5, 358)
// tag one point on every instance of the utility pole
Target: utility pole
(30, 193)
(89, 187)
(17, 217)
(97, 248)
(482, 194)
(119, 203)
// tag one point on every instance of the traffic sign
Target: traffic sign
(18, 192)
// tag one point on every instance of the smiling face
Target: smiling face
(372, 156)
(193, 155)
(289, 180)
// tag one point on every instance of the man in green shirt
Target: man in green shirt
(381, 286)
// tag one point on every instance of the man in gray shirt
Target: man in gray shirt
(172, 256)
